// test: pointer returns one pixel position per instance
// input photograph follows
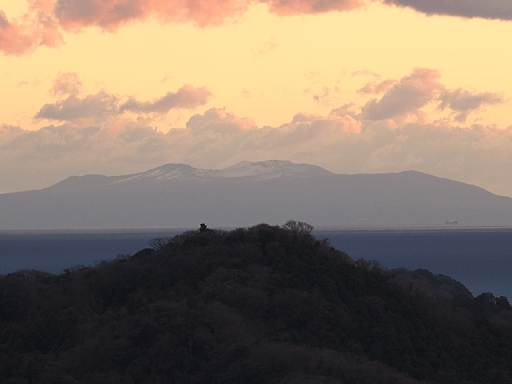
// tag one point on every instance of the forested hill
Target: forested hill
(265, 304)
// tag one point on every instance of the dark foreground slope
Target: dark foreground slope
(258, 305)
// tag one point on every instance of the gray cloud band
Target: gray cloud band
(488, 9)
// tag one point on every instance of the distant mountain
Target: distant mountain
(262, 170)
(178, 195)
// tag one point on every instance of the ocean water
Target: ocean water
(53, 251)
(480, 258)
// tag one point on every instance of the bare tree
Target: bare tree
(299, 227)
(159, 242)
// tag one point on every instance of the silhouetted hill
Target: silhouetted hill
(180, 196)
(265, 304)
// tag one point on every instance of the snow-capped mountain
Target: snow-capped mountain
(165, 173)
(271, 169)
(178, 195)
(182, 172)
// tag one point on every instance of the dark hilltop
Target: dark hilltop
(264, 304)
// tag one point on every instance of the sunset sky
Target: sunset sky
(121, 86)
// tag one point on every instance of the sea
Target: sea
(480, 258)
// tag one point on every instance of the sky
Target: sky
(116, 87)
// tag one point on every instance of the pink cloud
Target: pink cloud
(45, 6)
(15, 39)
(296, 7)
(377, 87)
(406, 97)
(98, 107)
(66, 84)
(33, 30)
(111, 14)
(93, 107)
(464, 102)
(217, 120)
(46, 18)
(48, 32)
(43, 23)
(186, 97)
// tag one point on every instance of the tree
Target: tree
(159, 243)
(300, 228)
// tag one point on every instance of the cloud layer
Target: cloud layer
(391, 131)
(46, 19)
(215, 139)
(43, 24)
(92, 134)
